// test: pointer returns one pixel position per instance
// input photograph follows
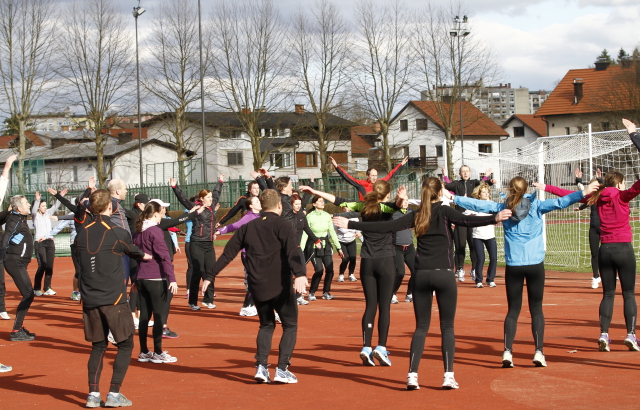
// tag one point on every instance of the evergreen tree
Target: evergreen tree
(605, 56)
(621, 55)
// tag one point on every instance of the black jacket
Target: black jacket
(100, 247)
(17, 241)
(204, 225)
(464, 188)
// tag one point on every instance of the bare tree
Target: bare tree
(321, 50)
(249, 63)
(98, 65)
(386, 61)
(449, 66)
(172, 73)
(27, 41)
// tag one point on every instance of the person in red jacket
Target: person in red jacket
(364, 186)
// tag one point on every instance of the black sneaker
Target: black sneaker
(168, 334)
(28, 332)
(194, 307)
(21, 336)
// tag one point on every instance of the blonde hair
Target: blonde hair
(431, 188)
(476, 192)
(517, 188)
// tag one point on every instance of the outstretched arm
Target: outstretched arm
(350, 180)
(4, 179)
(329, 197)
(478, 205)
(633, 132)
(180, 195)
(393, 172)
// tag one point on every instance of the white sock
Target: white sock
(95, 393)
(114, 394)
(448, 374)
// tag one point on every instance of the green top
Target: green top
(359, 206)
(321, 224)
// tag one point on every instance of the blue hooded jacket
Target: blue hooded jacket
(523, 241)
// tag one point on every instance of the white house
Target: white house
(523, 129)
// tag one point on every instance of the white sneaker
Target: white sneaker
(311, 297)
(479, 285)
(111, 339)
(277, 317)
(460, 273)
(412, 381)
(507, 359)
(243, 311)
(449, 382)
(253, 311)
(492, 284)
(340, 278)
(538, 359)
(352, 278)
(151, 322)
(394, 299)
(38, 292)
(136, 322)
(49, 292)
(409, 298)
(595, 282)
(209, 305)
(145, 357)
(4, 315)
(472, 273)
(163, 357)
(302, 301)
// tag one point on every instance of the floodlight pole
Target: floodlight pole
(137, 12)
(204, 140)
(460, 31)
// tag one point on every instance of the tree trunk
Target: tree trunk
(21, 153)
(385, 145)
(100, 165)
(450, 145)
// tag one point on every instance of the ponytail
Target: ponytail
(147, 213)
(431, 188)
(372, 200)
(517, 188)
(610, 180)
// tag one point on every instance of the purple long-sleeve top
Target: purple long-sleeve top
(248, 217)
(151, 241)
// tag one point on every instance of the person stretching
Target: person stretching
(45, 248)
(594, 230)
(348, 244)
(484, 237)
(273, 257)
(364, 186)
(4, 182)
(524, 254)
(433, 270)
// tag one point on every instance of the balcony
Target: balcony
(426, 163)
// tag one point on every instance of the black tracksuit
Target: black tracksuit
(272, 257)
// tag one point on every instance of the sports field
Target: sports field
(215, 354)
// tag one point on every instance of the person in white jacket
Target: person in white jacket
(44, 246)
(484, 237)
(4, 183)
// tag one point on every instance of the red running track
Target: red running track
(216, 347)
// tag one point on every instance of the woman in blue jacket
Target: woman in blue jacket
(524, 254)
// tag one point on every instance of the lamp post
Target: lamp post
(137, 12)
(204, 142)
(460, 30)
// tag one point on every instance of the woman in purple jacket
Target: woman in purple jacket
(155, 280)
(252, 209)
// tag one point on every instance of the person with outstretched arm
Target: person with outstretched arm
(4, 183)
(273, 258)
(44, 247)
(364, 186)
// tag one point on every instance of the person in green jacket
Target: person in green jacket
(321, 224)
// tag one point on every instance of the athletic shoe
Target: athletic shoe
(194, 307)
(277, 317)
(603, 342)
(302, 301)
(49, 292)
(382, 354)
(120, 401)
(449, 383)
(492, 284)
(145, 357)
(460, 274)
(4, 315)
(327, 296)
(394, 299)
(253, 311)
(632, 342)
(352, 278)
(507, 359)
(4, 368)
(244, 311)
(479, 285)
(21, 335)
(340, 278)
(285, 376)
(28, 332)
(595, 283)
(412, 381)
(168, 334)
(262, 374)
(111, 339)
(472, 273)
(75, 295)
(136, 323)
(163, 357)
(409, 298)
(38, 292)
(367, 356)
(151, 322)
(209, 305)
(311, 297)
(93, 401)
(538, 359)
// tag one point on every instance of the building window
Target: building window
(518, 131)
(422, 124)
(280, 159)
(567, 130)
(423, 151)
(439, 151)
(606, 126)
(404, 125)
(226, 133)
(49, 176)
(306, 159)
(75, 173)
(579, 129)
(485, 148)
(234, 158)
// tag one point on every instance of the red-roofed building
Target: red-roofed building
(523, 129)
(599, 96)
(11, 141)
(418, 131)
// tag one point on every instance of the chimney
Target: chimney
(78, 128)
(124, 137)
(299, 108)
(376, 127)
(245, 110)
(577, 90)
(602, 64)
(65, 128)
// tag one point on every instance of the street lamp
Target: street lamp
(204, 141)
(460, 30)
(137, 12)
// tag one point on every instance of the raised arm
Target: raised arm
(329, 197)
(633, 132)
(182, 198)
(233, 211)
(393, 172)
(4, 179)
(628, 194)
(36, 204)
(217, 190)
(350, 180)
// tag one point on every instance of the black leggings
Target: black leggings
(3, 288)
(405, 255)
(17, 269)
(318, 262)
(203, 257)
(120, 364)
(492, 248)
(618, 258)
(461, 236)
(153, 295)
(287, 308)
(514, 283)
(377, 276)
(443, 282)
(594, 247)
(350, 251)
(45, 253)
(187, 252)
(248, 299)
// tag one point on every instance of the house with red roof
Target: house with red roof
(600, 96)
(523, 129)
